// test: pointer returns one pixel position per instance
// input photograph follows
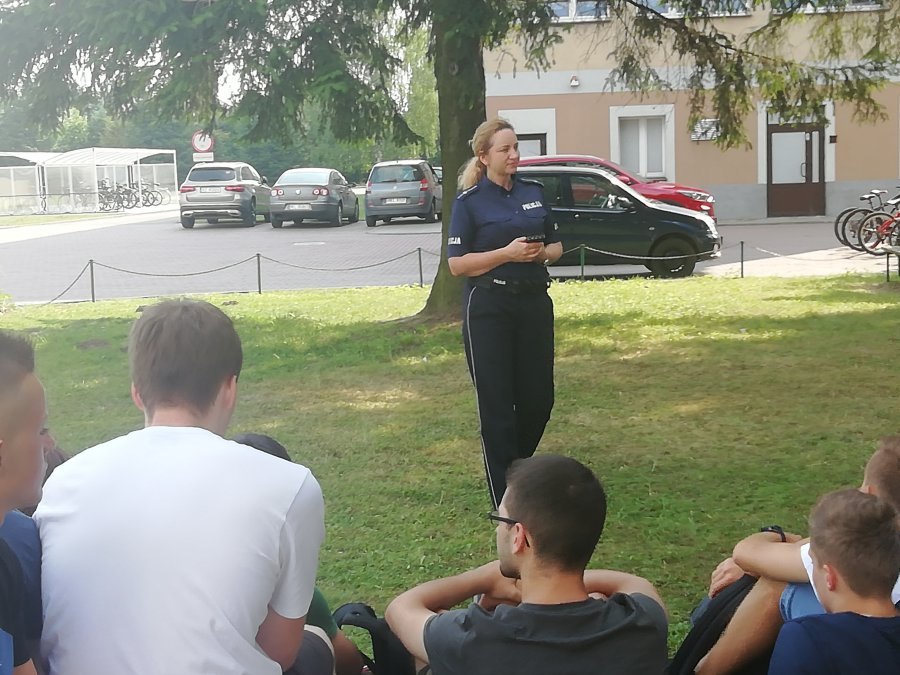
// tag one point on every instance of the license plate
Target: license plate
(210, 189)
(395, 200)
(298, 207)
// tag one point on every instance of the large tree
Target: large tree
(266, 59)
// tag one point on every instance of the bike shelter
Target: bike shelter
(73, 182)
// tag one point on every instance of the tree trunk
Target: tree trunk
(459, 72)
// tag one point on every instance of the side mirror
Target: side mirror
(626, 179)
(265, 181)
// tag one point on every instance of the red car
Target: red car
(668, 193)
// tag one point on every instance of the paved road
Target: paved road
(38, 262)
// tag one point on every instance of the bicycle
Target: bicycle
(878, 229)
(869, 197)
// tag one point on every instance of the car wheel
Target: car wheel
(355, 216)
(338, 218)
(370, 221)
(431, 216)
(187, 222)
(212, 221)
(675, 266)
(249, 217)
(277, 222)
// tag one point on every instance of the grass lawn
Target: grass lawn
(709, 407)
(45, 218)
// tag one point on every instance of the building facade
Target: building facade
(787, 170)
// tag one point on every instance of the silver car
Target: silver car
(215, 190)
(313, 194)
(401, 189)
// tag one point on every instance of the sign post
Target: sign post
(203, 145)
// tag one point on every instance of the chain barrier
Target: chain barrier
(258, 257)
(166, 275)
(69, 287)
(339, 269)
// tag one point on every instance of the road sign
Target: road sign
(203, 157)
(202, 142)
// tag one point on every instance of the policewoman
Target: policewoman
(502, 238)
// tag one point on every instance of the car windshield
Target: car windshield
(304, 177)
(396, 173)
(620, 170)
(211, 174)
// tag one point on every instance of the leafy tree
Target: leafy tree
(267, 60)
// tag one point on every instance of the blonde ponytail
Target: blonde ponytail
(473, 171)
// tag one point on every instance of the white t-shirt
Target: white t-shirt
(808, 564)
(164, 548)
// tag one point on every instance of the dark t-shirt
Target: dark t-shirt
(21, 533)
(838, 644)
(487, 217)
(12, 645)
(625, 635)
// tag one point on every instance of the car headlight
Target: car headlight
(709, 222)
(696, 196)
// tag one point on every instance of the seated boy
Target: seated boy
(855, 550)
(782, 563)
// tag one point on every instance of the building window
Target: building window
(642, 139)
(641, 145)
(712, 7)
(532, 145)
(577, 10)
(824, 6)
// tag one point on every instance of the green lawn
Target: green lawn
(708, 407)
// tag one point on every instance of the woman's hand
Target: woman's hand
(520, 250)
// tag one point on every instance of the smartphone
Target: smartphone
(532, 238)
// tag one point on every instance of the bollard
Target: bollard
(581, 255)
(93, 295)
(258, 274)
(421, 276)
(742, 259)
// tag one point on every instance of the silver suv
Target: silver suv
(214, 190)
(403, 188)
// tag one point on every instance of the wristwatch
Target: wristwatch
(776, 529)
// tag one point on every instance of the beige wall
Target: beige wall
(864, 150)
(590, 44)
(582, 127)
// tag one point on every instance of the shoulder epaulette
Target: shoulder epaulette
(466, 193)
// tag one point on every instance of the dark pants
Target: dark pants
(509, 350)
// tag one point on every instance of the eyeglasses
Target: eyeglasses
(494, 516)
(497, 518)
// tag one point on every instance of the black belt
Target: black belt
(511, 286)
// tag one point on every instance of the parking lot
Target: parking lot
(151, 253)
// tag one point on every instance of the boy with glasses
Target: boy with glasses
(541, 611)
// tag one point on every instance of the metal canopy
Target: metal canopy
(33, 157)
(104, 156)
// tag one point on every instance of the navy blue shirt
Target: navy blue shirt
(838, 644)
(487, 216)
(21, 534)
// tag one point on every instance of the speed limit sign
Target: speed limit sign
(202, 142)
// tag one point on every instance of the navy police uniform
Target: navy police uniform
(507, 322)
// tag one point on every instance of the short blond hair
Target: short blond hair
(858, 534)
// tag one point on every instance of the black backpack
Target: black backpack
(709, 628)
(389, 656)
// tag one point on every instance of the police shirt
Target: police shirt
(487, 217)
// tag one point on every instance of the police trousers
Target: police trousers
(509, 350)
